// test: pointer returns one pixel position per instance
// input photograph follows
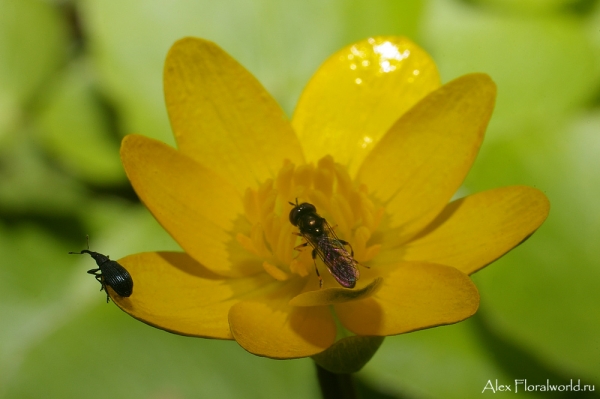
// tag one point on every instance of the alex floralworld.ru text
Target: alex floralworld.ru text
(521, 385)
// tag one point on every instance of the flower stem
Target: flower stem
(335, 385)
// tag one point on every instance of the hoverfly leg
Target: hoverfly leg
(314, 256)
(352, 251)
(297, 248)
(348, 244)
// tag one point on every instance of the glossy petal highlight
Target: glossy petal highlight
(175, 293)
(222, 116)
(196, 206)
(476, 230)
(358, 94)
(415, 295)
(269, 326)
(421, 162)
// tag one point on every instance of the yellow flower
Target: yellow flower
(375, 143)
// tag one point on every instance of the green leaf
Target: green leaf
(544, 66)
(554, 275)
(349, 354)
(75, 130)
(528, 7)
(366, 18)
(29, 183)
(33, 45)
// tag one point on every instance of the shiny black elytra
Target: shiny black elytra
(110, 273)
(326, 244)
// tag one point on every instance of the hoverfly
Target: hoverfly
(332, 251)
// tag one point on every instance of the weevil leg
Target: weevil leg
(103, 288)
(96, 273)
(99, 278)
(314, 256)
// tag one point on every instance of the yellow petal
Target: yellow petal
(357, 94)
(330, 296)
(269, 326)
(414, 296)
(222, 116)
(196, 206)
(474, 231)
(173, 292)
(421, 162)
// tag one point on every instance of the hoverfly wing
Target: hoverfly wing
(339, 262)
(346, 275)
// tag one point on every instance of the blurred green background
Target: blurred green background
(76, 76)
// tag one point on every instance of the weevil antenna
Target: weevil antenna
(87, 239)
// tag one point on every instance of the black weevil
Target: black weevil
(110, 273)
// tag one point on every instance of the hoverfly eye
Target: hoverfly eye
(294, 213)
(305, 207)
(299, 210)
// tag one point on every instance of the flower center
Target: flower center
(328, 186)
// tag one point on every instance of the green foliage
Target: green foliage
(33, 44)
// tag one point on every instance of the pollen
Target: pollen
(345, 205)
